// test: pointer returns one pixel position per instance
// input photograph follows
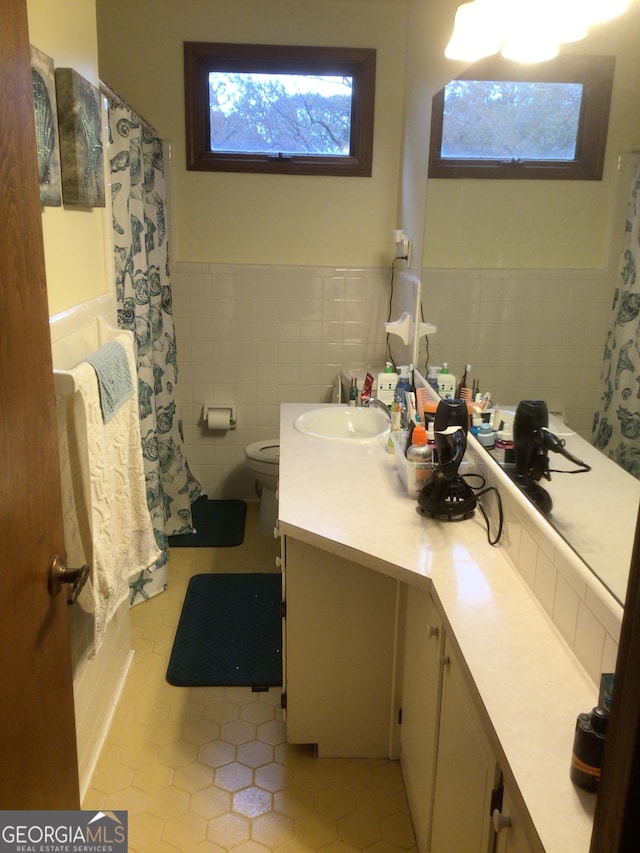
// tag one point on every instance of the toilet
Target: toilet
(262, 458)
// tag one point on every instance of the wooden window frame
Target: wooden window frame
(595, 73)
(200, 58)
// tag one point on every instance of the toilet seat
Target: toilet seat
(263, 457)
(264, 451)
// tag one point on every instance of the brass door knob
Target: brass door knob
(59, 573)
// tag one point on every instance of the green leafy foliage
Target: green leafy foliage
(507, 120)
(280, 114)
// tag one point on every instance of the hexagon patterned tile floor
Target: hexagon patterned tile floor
(208, 769)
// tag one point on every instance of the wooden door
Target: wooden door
(38, 758)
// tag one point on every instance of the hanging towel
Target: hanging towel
(114, 377)
(106, 519)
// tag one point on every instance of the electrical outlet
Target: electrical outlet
(402, 246)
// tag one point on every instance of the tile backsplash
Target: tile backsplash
(258, 336)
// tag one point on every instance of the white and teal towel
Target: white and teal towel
(114, 377)
(106, 518)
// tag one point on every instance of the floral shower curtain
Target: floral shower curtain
(143, 292)
(616, 427)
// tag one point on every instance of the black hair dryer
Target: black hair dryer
(532, 442)
(447, 496)
(531, 460)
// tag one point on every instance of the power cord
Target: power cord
(479, 492)
(391, 284)
(426, 343)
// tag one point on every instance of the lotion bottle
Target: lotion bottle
(402, 386)
(446, 382)
(387, 382)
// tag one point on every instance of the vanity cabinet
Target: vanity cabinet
(452, 778)
(358, 647)
(340, 654)
(511, 835)
(448, 766)
(467, 774)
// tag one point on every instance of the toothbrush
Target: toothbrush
(412, 414)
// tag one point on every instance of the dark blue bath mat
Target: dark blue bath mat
(229, 633)
(219, 524)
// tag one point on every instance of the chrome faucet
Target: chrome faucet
(373, 401)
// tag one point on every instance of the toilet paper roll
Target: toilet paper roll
(219, 419)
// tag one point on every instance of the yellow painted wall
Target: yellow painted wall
(541, 224)
(73, 238)
(309, 220)
(263, 219)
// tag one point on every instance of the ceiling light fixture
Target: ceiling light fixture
(525, 30)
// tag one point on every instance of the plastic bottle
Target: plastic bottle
(419, 461)
(588, 744)
(432, 377)
(387, 382)
(503, 450)
(395, 427)
(403, 385)
(446, 382)
(353, 392)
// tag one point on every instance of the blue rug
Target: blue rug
(229, 633)
(219, 524)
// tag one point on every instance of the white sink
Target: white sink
(343, 423)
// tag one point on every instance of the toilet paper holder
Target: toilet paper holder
(219, 416)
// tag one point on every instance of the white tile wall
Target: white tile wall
(528, 334)
(260, 336)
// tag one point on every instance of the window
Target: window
(501, 119)
(279, 109)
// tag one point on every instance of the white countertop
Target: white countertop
(347, 499)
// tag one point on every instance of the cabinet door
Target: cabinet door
(466, 771)
(511, 836)
(340, 655)
(422, 675)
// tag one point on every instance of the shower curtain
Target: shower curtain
(143, 293)
(616, 427)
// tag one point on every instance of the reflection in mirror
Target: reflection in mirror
(519, 278)
(594, 513)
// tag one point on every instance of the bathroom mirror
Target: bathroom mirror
(595, 512)
(518, 277)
